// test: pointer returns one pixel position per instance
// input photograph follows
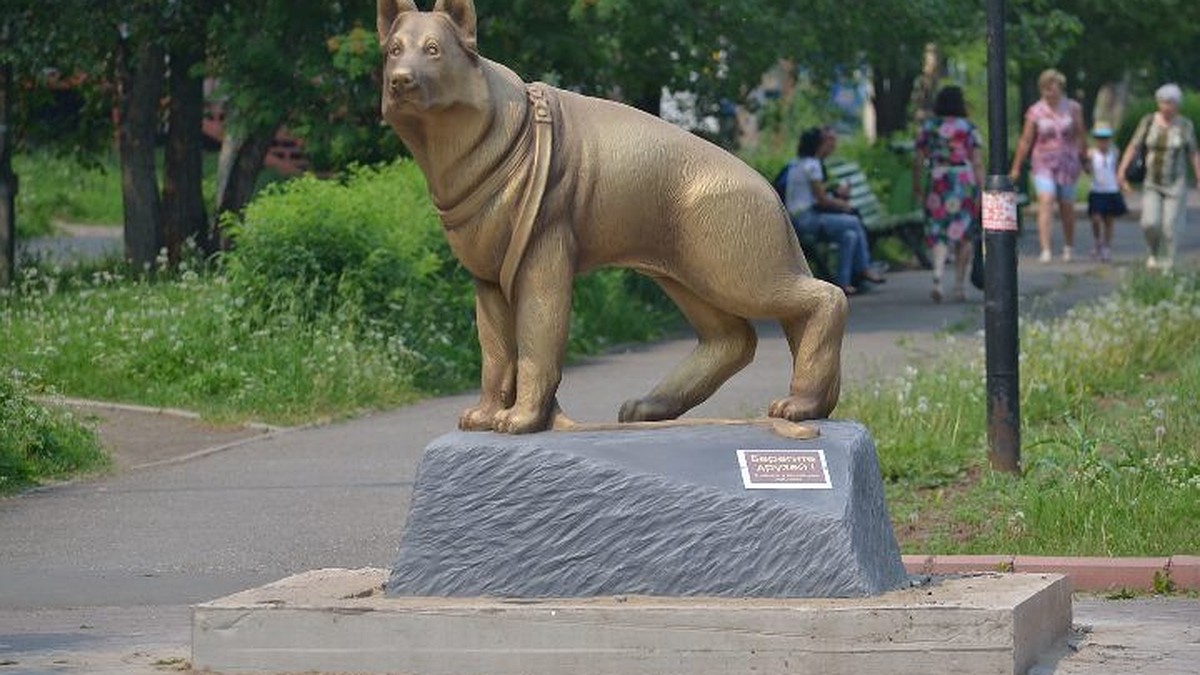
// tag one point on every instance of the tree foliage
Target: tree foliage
(312, 66)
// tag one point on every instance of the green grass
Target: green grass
(185, 343)
(340, 296)
(191, 342)
(39, 442)
(55, 188)
(1110, 462)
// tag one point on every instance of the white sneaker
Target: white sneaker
(1067, 254)
(1151, 263)
(1045, 256)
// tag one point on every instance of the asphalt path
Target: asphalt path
(97, 576)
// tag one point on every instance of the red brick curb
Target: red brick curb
(1180, 572)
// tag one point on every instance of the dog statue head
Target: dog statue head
(431, 60)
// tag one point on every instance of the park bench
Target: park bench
(908, 227)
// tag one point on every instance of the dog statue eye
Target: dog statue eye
(395, 50)
(432, 48)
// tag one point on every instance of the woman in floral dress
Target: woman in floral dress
(948, 147)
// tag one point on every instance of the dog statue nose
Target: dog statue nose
(402, 79)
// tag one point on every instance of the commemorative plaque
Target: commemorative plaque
(784, 469)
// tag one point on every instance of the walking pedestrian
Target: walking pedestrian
(1054, 138)
(947, 148)
(1169, 140)
(1104, 199)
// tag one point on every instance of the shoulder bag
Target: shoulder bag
(1136, 171)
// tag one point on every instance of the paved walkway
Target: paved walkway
(97, 576)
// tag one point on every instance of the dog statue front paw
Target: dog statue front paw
(478, 418)
(520, 421)
(798, 409)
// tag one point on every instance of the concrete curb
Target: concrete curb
(262, 431)
(149, 410)
(1087, 574)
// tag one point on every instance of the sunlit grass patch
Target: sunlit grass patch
(183, 343)
(1109, 457)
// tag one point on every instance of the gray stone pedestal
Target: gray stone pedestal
(718, 511)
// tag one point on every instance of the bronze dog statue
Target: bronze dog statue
(535, 185)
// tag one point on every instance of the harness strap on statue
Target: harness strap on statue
(531, 199)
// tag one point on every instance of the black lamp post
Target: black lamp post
(1000, 279)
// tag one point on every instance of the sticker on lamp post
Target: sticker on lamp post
(1000, 210)
(784, 469)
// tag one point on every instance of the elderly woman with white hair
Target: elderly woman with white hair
(1170, 143)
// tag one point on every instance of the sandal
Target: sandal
(850, 290)
(874, 277)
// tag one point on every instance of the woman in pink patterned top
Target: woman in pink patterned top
(1055, 133)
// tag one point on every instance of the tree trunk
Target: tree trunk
(8, 180)
(140, 70)
(893, 90)
(238, 167)
(183, 175)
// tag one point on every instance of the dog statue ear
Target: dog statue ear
(462, 13)
(389, 10)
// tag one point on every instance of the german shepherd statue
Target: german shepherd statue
(535, 185)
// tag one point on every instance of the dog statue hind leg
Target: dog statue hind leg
(727, 344)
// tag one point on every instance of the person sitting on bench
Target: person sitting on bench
(818, 214)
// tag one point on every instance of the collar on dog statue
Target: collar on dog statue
(514, 162)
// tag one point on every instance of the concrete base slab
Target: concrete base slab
(337, 620)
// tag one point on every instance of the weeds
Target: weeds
(185, 342)
(39, 442)
(1110, 462)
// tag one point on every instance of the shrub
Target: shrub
(369, 249)
(37, 442)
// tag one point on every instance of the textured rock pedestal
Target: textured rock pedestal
(732, 511)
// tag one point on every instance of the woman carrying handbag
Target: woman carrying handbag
(1169, 143)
